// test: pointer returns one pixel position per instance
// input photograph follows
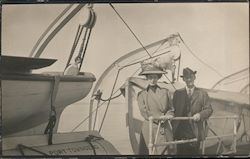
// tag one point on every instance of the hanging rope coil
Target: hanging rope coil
(52, 117)
(50, 126)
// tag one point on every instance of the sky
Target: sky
(218, 33)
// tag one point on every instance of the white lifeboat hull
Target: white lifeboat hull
(26, 99)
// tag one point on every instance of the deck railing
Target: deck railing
(152, 145)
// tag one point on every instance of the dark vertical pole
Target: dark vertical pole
(1, 80)
(179, 68)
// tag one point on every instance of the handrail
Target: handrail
(152, 145)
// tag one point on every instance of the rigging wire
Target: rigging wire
(144, 56)
(236, 80)
(230, 76)
(104, 116)
(157, 50)
(137, 39)
(244, 89)
(77, 37)
(85, 49)
(98, 106)
(96, 114)
(129, 29)
(199, 58)
(109, 99)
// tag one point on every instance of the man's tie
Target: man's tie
(189, 93)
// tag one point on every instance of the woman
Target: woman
(155, 101)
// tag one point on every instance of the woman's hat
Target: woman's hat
(187, 72)
(151, 68)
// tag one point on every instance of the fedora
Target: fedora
(187, 72)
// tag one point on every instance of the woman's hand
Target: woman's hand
(168, 117)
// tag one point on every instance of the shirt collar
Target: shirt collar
(192, 89)
(156, 86)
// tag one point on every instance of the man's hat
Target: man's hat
(187, 72)
(151, 68)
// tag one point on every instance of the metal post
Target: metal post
(150, 145)
(156, 136)
(235, 133)
(203, 147)
(90, 114)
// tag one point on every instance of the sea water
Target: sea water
(114, 127)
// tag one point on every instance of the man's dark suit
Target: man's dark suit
(185, 106)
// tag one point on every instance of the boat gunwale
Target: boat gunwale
(81, 77)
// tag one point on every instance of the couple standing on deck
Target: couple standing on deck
(187, 102)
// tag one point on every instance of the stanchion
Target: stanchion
(152, 145)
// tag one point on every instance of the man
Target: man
(190, 102)
(155, 101)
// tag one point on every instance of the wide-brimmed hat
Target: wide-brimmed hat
(187, 72)
(151, 68)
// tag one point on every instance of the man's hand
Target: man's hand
(197, 117)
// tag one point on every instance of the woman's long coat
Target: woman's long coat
(155, 101)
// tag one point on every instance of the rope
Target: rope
(90, 30)
(109, 100)
(91, 138)
(199, 58)
(20, 147)
(98, 106)
(83, 42)
(88, 25)
(57, 29)
(104, 148)
(156, 50)
(106, 100)
(50, 126)
(52, 118)
(136, 38)
(96, 113)
(77, 37)
(88, 140)
(240, 79)
(129, 29)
